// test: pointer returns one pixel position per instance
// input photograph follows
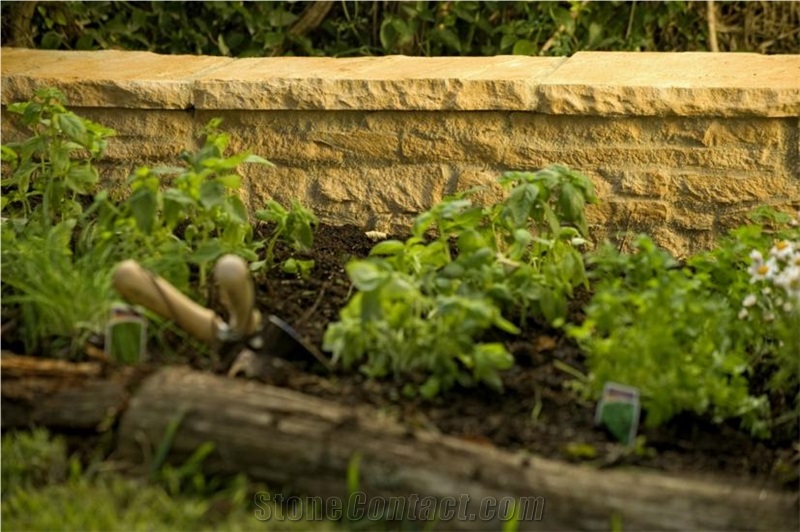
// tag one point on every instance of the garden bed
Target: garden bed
(564, 427)
(439, 339)
(687, 444)
(687, 448)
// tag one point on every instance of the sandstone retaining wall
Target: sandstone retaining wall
(678, 145)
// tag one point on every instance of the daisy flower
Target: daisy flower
(789, 280)
(764, 270)
(782, 250)
(749, 301)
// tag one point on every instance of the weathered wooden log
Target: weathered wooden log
(288, 438)
(57, 393)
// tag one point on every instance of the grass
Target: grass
(44, 489)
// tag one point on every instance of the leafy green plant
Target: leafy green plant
(402, 330)
(60, 240)
(423, 305)
(548, 263)
(658, 327)
(62, 298)
(53, 271)
(294, 226)
(50, 172)
(246, 29)
(756, 268)
(200, 215)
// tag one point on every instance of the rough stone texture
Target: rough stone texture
(686, 84)
(145, 134)
(132, 80)
(659, 175)
(682, 162)
(143, 137)
(379, 83)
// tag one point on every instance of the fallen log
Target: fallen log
(60, 394)
(288, 438)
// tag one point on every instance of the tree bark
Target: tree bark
(61, 394)
(287, 438)
(20, 32)
(311, 17)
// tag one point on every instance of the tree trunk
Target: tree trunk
(20, 31)
(311, 17)
(290, 439)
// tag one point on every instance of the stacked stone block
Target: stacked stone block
(681, 146)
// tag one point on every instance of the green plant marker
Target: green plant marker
(618, 410)
(126, 334)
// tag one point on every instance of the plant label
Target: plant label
(618, 410)
(126, 334)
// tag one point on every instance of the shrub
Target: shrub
(757, 269)
(699, 338)
(655, 326)
(411, 28)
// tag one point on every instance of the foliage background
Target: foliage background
(347, 28)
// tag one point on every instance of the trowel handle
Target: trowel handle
(142, 287)
(237, 294)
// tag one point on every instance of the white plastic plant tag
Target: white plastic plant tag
(618, 410)
(126, 334)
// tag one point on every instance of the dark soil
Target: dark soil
(536, 413)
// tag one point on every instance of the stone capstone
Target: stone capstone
(681, 146)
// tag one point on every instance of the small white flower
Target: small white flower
(749, 301)
(756, 256)
(743, 314)
(769, 316)
(787, 307)
(789, 279)
(782, 250)
(766, 290)
(764, 270)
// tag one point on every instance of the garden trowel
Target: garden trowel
(247, 343)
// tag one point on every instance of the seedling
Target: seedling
(296, 227)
